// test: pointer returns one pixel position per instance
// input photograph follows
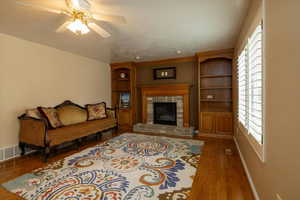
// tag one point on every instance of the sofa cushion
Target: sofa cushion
(71, 114)
(51, 115)
(75, 131)
(96, 111)
(33, 113)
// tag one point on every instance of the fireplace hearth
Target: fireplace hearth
(165, 113)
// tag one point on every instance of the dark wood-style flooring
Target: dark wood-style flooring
(219, 176)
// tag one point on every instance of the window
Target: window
(250, 86)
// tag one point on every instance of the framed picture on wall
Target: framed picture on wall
(164, 73)
(124, 100)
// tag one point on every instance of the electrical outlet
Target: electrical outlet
(228, 152)
(278, 197)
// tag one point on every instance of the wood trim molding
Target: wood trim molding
(215, 52)
(122, 64)
(204, 55)
(223, 53)
(218, 136)
(167, 61)
(167, 90)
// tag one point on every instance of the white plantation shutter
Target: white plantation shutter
(250, 80)
(255, 84)
(242, 81)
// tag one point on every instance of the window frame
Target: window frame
(259, 148)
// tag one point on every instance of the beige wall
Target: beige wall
(33, 74)
(280, 171)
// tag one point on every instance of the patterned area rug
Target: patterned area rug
(127, 167)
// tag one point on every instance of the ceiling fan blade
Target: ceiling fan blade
(40, 7)
(109, 18)
(99, 30)
(63, 27)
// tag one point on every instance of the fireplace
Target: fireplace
(165, 113)
(178, 94)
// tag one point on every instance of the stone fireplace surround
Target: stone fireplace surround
(178, 93)
(165, 99)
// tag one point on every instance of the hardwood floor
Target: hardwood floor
(219, 176)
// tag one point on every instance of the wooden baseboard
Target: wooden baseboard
(252, 185)
(211, 135)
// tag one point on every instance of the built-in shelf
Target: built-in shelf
(123, 79)
(215, 88)
(125, 109)
(216, 76)
(215, 96)
(121, 90)
(124, 84)
(216, 100)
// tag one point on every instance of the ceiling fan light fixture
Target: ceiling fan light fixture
(78, 27)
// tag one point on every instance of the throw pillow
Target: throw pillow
(96, 111)
(71, 114)
(52, 117)
(33, 113)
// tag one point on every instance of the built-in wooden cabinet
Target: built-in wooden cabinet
(215, 102)
(123, 81)
(208, 122)
(215, 92)
(216, 122)
(224, 123)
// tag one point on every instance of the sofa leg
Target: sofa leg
(46, 153)
(99, 136)
(78, 143)
(22, 147)
(115, 131)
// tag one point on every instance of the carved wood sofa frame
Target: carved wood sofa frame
(34, 133)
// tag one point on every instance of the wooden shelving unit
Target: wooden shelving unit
(216, 76)
(215, 100)
(215, 93)
(127, 84)
(215, 88)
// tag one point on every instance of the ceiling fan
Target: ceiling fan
(81, 18)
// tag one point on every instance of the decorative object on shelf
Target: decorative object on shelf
(211, 96)
(124, 100)
(164, 73)
(123, 75)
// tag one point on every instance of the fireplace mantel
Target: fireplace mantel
(167, 90)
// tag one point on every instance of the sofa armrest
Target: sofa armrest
(33, 131)
(112, 112)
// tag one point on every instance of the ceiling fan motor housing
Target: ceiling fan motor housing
(82, 5)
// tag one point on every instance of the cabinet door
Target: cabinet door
(208, 121)
(125, 122)
(224, 123)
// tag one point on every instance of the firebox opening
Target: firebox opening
(165, 113)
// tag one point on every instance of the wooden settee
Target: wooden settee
(36, 133)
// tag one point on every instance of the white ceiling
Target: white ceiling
(156, 29)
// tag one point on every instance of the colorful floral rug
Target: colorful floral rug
(127, 167)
